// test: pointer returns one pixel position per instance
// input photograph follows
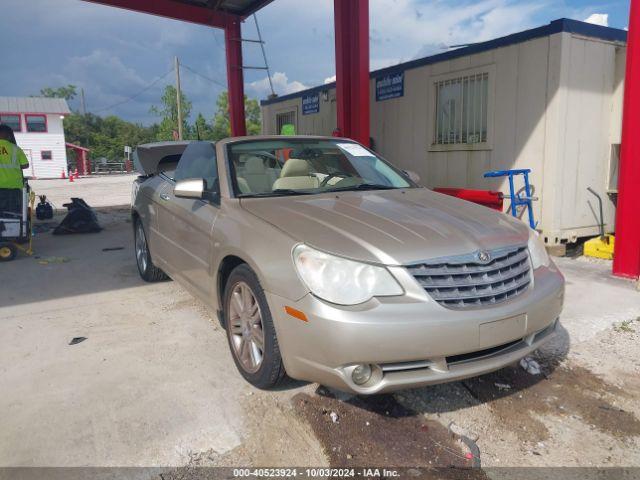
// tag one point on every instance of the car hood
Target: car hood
(393, 227)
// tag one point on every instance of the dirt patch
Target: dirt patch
(369, 431)
(274, 437)
(566, 391)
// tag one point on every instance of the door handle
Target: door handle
(164, 196)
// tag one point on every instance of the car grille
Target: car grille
(465, 281)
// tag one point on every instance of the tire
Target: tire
(8, 252)
(148, 271)
(261, 366)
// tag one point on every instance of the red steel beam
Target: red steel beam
(172, 9)
(352, 68)
(626, 260)
(235, 77)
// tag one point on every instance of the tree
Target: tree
(68, 92)
(201, 129)
(106, 137)
(222, 122)
(168, 112)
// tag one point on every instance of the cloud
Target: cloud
(281, 85)
(598, 19)
(330, 79)
(411, 28)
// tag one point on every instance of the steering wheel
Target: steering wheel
(333, 175)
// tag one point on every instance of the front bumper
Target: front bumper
(411, 340)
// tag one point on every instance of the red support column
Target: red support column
(352, 68)
(235, 77)
(626, 261)
(80, 161)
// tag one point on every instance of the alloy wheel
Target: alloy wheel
(245, 324)
(141, 248)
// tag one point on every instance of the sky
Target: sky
(123, 60)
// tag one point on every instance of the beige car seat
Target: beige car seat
(296, 175)
(258, 176)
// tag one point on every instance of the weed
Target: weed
(626, 326)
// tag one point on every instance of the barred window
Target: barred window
(461, 110)
(286, 118)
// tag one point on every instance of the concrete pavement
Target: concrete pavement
(153, 382)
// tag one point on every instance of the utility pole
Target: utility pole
(83, 105)
(179, 97)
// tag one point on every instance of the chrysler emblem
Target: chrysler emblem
(484, 257)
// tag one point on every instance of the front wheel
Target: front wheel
(148, 271)
(250, 331)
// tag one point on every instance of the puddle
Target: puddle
(564, 392)
(374, 431)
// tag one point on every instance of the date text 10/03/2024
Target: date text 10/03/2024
(316, 472)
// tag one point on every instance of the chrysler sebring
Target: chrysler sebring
(326, 263)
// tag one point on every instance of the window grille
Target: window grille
(461, 110)
(286, 118)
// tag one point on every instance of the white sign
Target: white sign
(355, 149)
(127, 149)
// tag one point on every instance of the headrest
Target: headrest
(254, 165)
(295, 167)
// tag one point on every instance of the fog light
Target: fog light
(361, 374)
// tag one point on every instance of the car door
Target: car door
(157, 164)
(187, 224)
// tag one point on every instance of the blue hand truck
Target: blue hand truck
(516, 198)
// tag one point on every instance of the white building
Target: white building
(38, 126)
(548, 99)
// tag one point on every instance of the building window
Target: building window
(36, 123)
(46, 155)
(286, 118)
(461, 110)
(12, 120)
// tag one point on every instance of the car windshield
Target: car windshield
(265, 168)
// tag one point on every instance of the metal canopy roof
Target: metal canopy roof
(212, 13)
(241, 8)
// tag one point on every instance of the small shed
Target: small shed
(38, 126)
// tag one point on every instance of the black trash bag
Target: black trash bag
(80, 219)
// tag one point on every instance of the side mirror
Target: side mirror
(190, 188)
(413, 176)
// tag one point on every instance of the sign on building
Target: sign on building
(390, 86)
(311, 104)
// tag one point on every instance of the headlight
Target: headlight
(342, 281)
(537, 251)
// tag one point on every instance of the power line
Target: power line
(216, 82)
(133, 97)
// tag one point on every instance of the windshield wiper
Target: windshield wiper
(363, 186)
(280, 192)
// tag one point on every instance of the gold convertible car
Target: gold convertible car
(326, 263)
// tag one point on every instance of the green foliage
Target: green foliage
(201, 129)
(168, 112)
(222, 122)
(106, 136)
(68, 92)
